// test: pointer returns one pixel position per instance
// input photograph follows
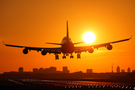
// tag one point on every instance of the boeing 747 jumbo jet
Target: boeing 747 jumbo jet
(67, 47)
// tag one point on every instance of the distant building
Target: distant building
(47, 70)
(128, 70)
(41, 70)
(58, 71)
(123, 71)
(50, 70)
(20, 70)
(35, 70)
(79, 72)
(89, 71)
(118, 69)
(133, 71)
(65, 70)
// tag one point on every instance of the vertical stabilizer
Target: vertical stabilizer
(67, 31)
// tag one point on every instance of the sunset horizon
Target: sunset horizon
(33, 23)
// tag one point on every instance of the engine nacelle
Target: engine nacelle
(43, 52)
(91, 50)
(25, 51)
(109, 47)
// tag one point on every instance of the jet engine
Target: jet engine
(109, 47)
(25, 51)
(91, 50)
(43, 52)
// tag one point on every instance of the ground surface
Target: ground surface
(32, 84)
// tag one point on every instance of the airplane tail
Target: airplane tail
(68, 36)
(67, 32)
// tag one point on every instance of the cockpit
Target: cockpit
(65, 39)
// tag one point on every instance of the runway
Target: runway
(63, 84)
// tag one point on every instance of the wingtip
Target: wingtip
(3, 42)
(46, 43)
(131, 37)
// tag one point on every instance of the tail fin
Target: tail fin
(67, 31)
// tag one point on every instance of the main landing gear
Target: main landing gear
(56, 57)
(71, 56)
(78, 55)
(64, 56)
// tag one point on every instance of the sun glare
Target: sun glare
(88, 37)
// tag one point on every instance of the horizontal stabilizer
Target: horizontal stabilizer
(54, 43)
(78, 43)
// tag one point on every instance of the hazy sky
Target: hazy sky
(34, 22)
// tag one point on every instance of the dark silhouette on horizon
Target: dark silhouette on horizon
(65, 70)
(52, 73)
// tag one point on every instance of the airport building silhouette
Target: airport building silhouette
(53, 70)
(50, 70)
(128, 70)
(88, 70)
(53, 73)
(123, 71)
(65, 70)
(20, 70)
(118, 69)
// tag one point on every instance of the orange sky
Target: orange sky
(34, 22)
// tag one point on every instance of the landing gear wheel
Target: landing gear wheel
(78, 56)
(64, 57)
(56, 57)
(67, 54)
(71, 56)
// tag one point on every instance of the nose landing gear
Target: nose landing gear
(78, 55)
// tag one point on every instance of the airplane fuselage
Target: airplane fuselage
(67, 45)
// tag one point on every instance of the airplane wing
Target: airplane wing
(108, 45)
(53, 43)
(49, 50)
(76, 49)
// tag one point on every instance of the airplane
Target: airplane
(67, 47)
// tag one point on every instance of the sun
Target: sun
(88, 37)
